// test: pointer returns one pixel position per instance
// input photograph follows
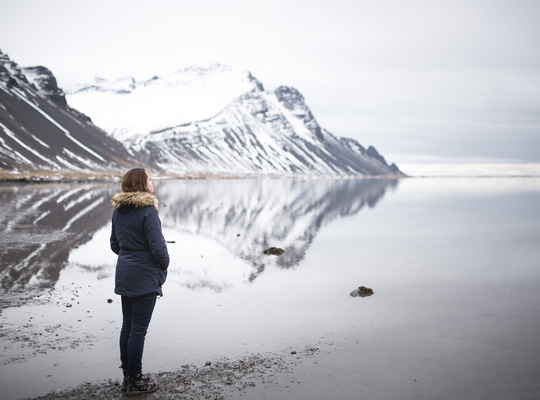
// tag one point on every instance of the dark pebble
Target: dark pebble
(274, 251)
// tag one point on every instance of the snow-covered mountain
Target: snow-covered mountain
(39, 133)
(128, 109)
(211, 120)
(217, 120)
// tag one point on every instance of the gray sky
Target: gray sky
(424, 81)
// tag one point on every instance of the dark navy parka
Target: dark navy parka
(137, 238)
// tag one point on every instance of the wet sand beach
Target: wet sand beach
(272, 374)
(337, 369)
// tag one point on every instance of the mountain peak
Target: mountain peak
(190, 94)
(44, 81)
(290, 97)
(10, 72)
(202, 70)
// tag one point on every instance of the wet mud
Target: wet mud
(217, 380)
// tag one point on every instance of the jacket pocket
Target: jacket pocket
(162, 276)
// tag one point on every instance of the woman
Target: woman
(141, 270)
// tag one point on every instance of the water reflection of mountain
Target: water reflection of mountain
(248, 216)
(41, 224)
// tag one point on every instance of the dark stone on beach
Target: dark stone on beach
(208, 363)
(274, 250)
(362, 291)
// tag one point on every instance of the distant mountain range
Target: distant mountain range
(211, 120)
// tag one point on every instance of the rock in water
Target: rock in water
(274, 250)
(362, 291)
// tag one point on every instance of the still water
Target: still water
(454, 264)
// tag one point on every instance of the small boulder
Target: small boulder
(362, 291)
(274, 250)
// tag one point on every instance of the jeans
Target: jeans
(137, 312)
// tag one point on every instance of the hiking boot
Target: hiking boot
(140, 384)
(125, 383)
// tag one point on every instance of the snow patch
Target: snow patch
(149, 106)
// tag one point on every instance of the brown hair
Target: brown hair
(135, 180)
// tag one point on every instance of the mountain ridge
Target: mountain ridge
(278, 134)
(198, 121)
(41, 135)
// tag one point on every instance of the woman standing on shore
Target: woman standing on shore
(141, 270)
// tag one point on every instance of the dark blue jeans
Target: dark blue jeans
(137, 312)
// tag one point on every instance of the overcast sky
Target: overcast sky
(424, 81)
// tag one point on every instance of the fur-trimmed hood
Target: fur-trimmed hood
(134, 199)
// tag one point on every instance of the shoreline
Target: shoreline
(221, 379)
(116, 176)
